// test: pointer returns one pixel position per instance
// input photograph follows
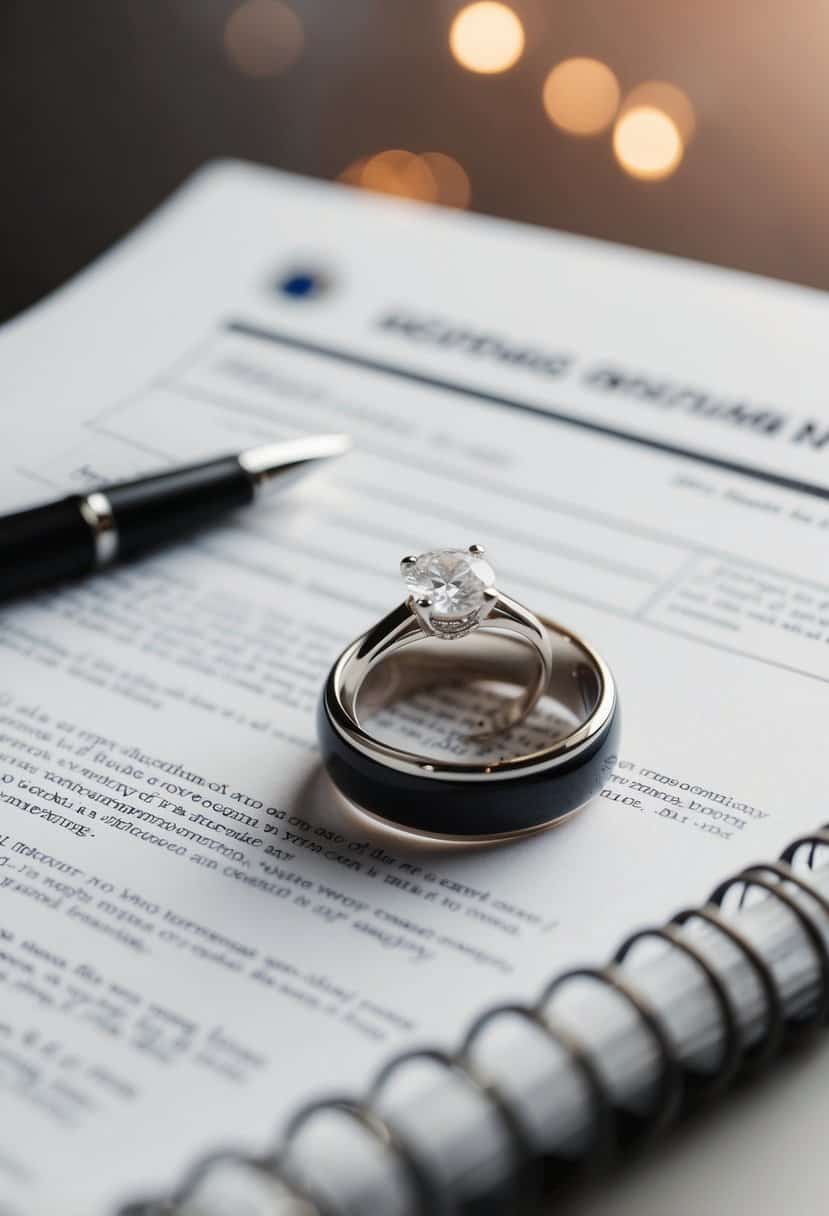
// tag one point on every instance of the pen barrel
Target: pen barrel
(43, 545)
(155, 510)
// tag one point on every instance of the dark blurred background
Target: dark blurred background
(694, 128)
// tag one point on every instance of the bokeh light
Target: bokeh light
(453, 186)
(486, 37)
(668, 98)
(581, 96)
(401, 173)
(431, 177)
(647, 143)
(263, 37)
(352, 174)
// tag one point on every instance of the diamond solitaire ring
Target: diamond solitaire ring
(456, 627)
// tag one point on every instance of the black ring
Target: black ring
(751, 878)
(513, 803)
(671, 1087)
(701, 1084)
(768, 1047)
(602, 1125)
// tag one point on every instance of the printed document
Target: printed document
(196, 934)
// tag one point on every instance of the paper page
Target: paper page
(195, 934)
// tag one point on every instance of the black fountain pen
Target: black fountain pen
(86, 532)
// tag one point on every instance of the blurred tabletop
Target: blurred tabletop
(697, 129)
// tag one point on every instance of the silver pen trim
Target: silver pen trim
(97, 514)
(273, 464)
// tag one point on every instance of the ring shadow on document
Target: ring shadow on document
(436, 721)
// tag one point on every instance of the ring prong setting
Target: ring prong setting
(451, 591)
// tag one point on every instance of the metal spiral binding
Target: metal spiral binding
(379, 1127)
(751, 877)
(677, 1086)
(699, 1085)
(815, 840)
(460, 1063)
(604, 1126)
(259, 1164)
(767, 1048)
(183, 1193)
(630, 1128)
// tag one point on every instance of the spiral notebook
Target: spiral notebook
(571, 1084)
(197, 938)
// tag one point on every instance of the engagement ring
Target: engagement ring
(457, 627)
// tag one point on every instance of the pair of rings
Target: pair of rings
(558, 766)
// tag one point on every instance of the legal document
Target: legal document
(195, 932)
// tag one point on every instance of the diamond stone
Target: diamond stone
(453, 579)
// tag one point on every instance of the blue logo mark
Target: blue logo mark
(303, 284)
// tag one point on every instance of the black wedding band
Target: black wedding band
(477, 801)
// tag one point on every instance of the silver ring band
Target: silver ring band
(404, 625)
(96, 511)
